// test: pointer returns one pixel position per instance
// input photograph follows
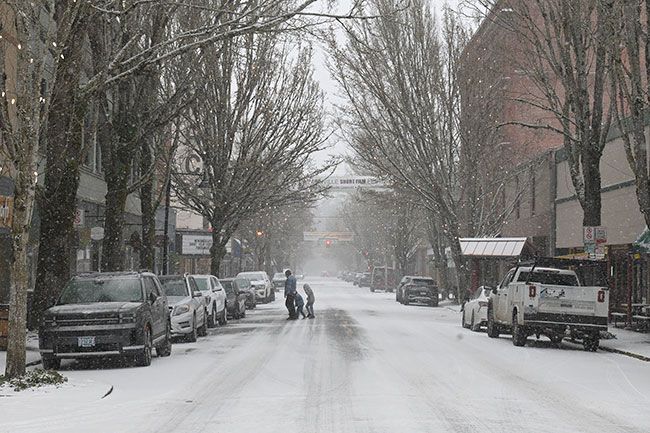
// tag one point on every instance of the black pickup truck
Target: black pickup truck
(121, 314)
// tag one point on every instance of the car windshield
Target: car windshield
(550, 278)
(252, 275)
(242, 283)
(422, 282)
(101, 290)
(202, 283)
(174, 286)
(278, 276)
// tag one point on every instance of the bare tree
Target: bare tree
(401, 84)
(276, 236)
(27, 37)
(631, 90)
(564, 49)
(73, 93)
(253, 127)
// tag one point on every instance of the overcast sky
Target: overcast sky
(332, 95)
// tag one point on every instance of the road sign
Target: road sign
(97, 233)
(319, 236)
(594, 235)
(79, 217)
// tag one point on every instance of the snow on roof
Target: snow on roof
(492, 247)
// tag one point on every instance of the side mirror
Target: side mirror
(152, 297)
(494, 290)
(197, 295)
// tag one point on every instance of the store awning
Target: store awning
(492, 247)
(642, 244)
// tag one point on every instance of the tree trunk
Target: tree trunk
(113, 246)
(462, 278)
(592, 199)
(23, 207)
(147, 255)
(64, 153)
(217, 251)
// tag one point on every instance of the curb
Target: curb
(626, 353)
(33, 363)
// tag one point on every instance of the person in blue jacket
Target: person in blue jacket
(290, 292)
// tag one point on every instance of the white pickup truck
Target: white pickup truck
(547, 301)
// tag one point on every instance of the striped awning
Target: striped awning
(492, 247)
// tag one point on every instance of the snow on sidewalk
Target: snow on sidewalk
(33, 356)
(629, 342)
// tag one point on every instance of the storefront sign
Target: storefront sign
(6, 211)
(196, 245)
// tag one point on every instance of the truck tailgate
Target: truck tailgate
(571, 300)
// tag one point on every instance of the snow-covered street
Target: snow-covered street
(365, 364)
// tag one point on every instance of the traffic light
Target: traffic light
(328, 243)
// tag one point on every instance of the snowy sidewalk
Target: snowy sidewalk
(33, 356)
(631, 343)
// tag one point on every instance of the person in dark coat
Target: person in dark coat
(299, 304)
(310, 301)
(290, 295)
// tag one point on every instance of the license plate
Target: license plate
(86, 341)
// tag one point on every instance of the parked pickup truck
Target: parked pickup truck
(547, 301)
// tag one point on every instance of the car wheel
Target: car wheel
(492, 327)
(193, 336)
(165, 349)
(243, 312)
(223, 319)
(406, 301)
(272, 295)
(50, 362)
(518, 332)
(556, 339)
(591, 343)
(143, 359)
(203, 329)
(212, 319)
(474, 326)
(372, 290)
(463, 321)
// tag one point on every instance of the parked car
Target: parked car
(263, 287)
(246, 287)
(214, 297)
(535, 300)
(278, 280)
(474, 310)
(364, 280)
(409, 279)
(121, 314)
(189, 316)
(420, 290)
(236, 303)
(382, 278)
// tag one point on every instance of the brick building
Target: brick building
(518, 157)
